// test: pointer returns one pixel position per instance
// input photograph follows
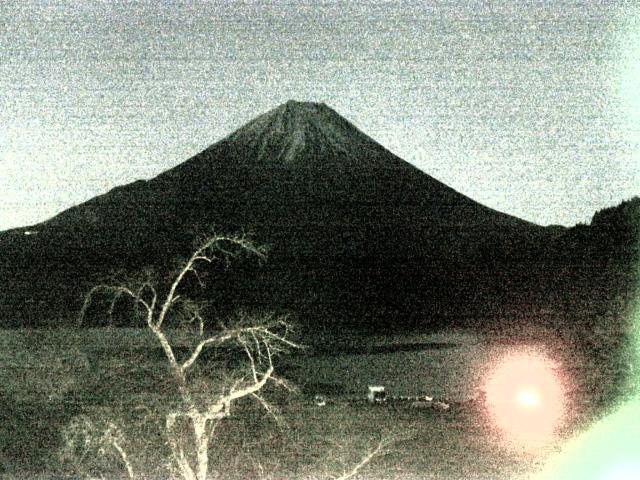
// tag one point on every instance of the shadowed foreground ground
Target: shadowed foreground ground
(49, 377)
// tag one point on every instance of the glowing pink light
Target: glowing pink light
(525, 397)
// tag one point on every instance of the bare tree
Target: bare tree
(258, 339)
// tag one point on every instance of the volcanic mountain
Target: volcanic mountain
(356, 235)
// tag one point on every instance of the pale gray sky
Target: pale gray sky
(530, 107)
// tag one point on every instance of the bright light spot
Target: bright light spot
(525, 397)
(528, 398)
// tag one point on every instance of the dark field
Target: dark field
(48, 378)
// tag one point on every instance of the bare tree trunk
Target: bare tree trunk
(202, 446)
(186, 471)
(189, 471)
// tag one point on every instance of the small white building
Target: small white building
(376, 394)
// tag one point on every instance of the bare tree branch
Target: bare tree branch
(203, 254)
(252, 362)
(116, 292)
(112, 436)
(380, 449)
(218, 340)
(226, 400)
(270, 409)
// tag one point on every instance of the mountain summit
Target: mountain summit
(354, 231)
(292, 131)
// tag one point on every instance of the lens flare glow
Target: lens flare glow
(525, 397)
(609, 450)
(624, 471)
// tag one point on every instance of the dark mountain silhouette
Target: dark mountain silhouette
(357, 236)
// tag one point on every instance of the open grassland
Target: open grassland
(50, 378)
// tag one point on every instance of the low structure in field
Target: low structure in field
(376, 394)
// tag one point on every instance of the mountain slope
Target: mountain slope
(356, 234)
(309, 150)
